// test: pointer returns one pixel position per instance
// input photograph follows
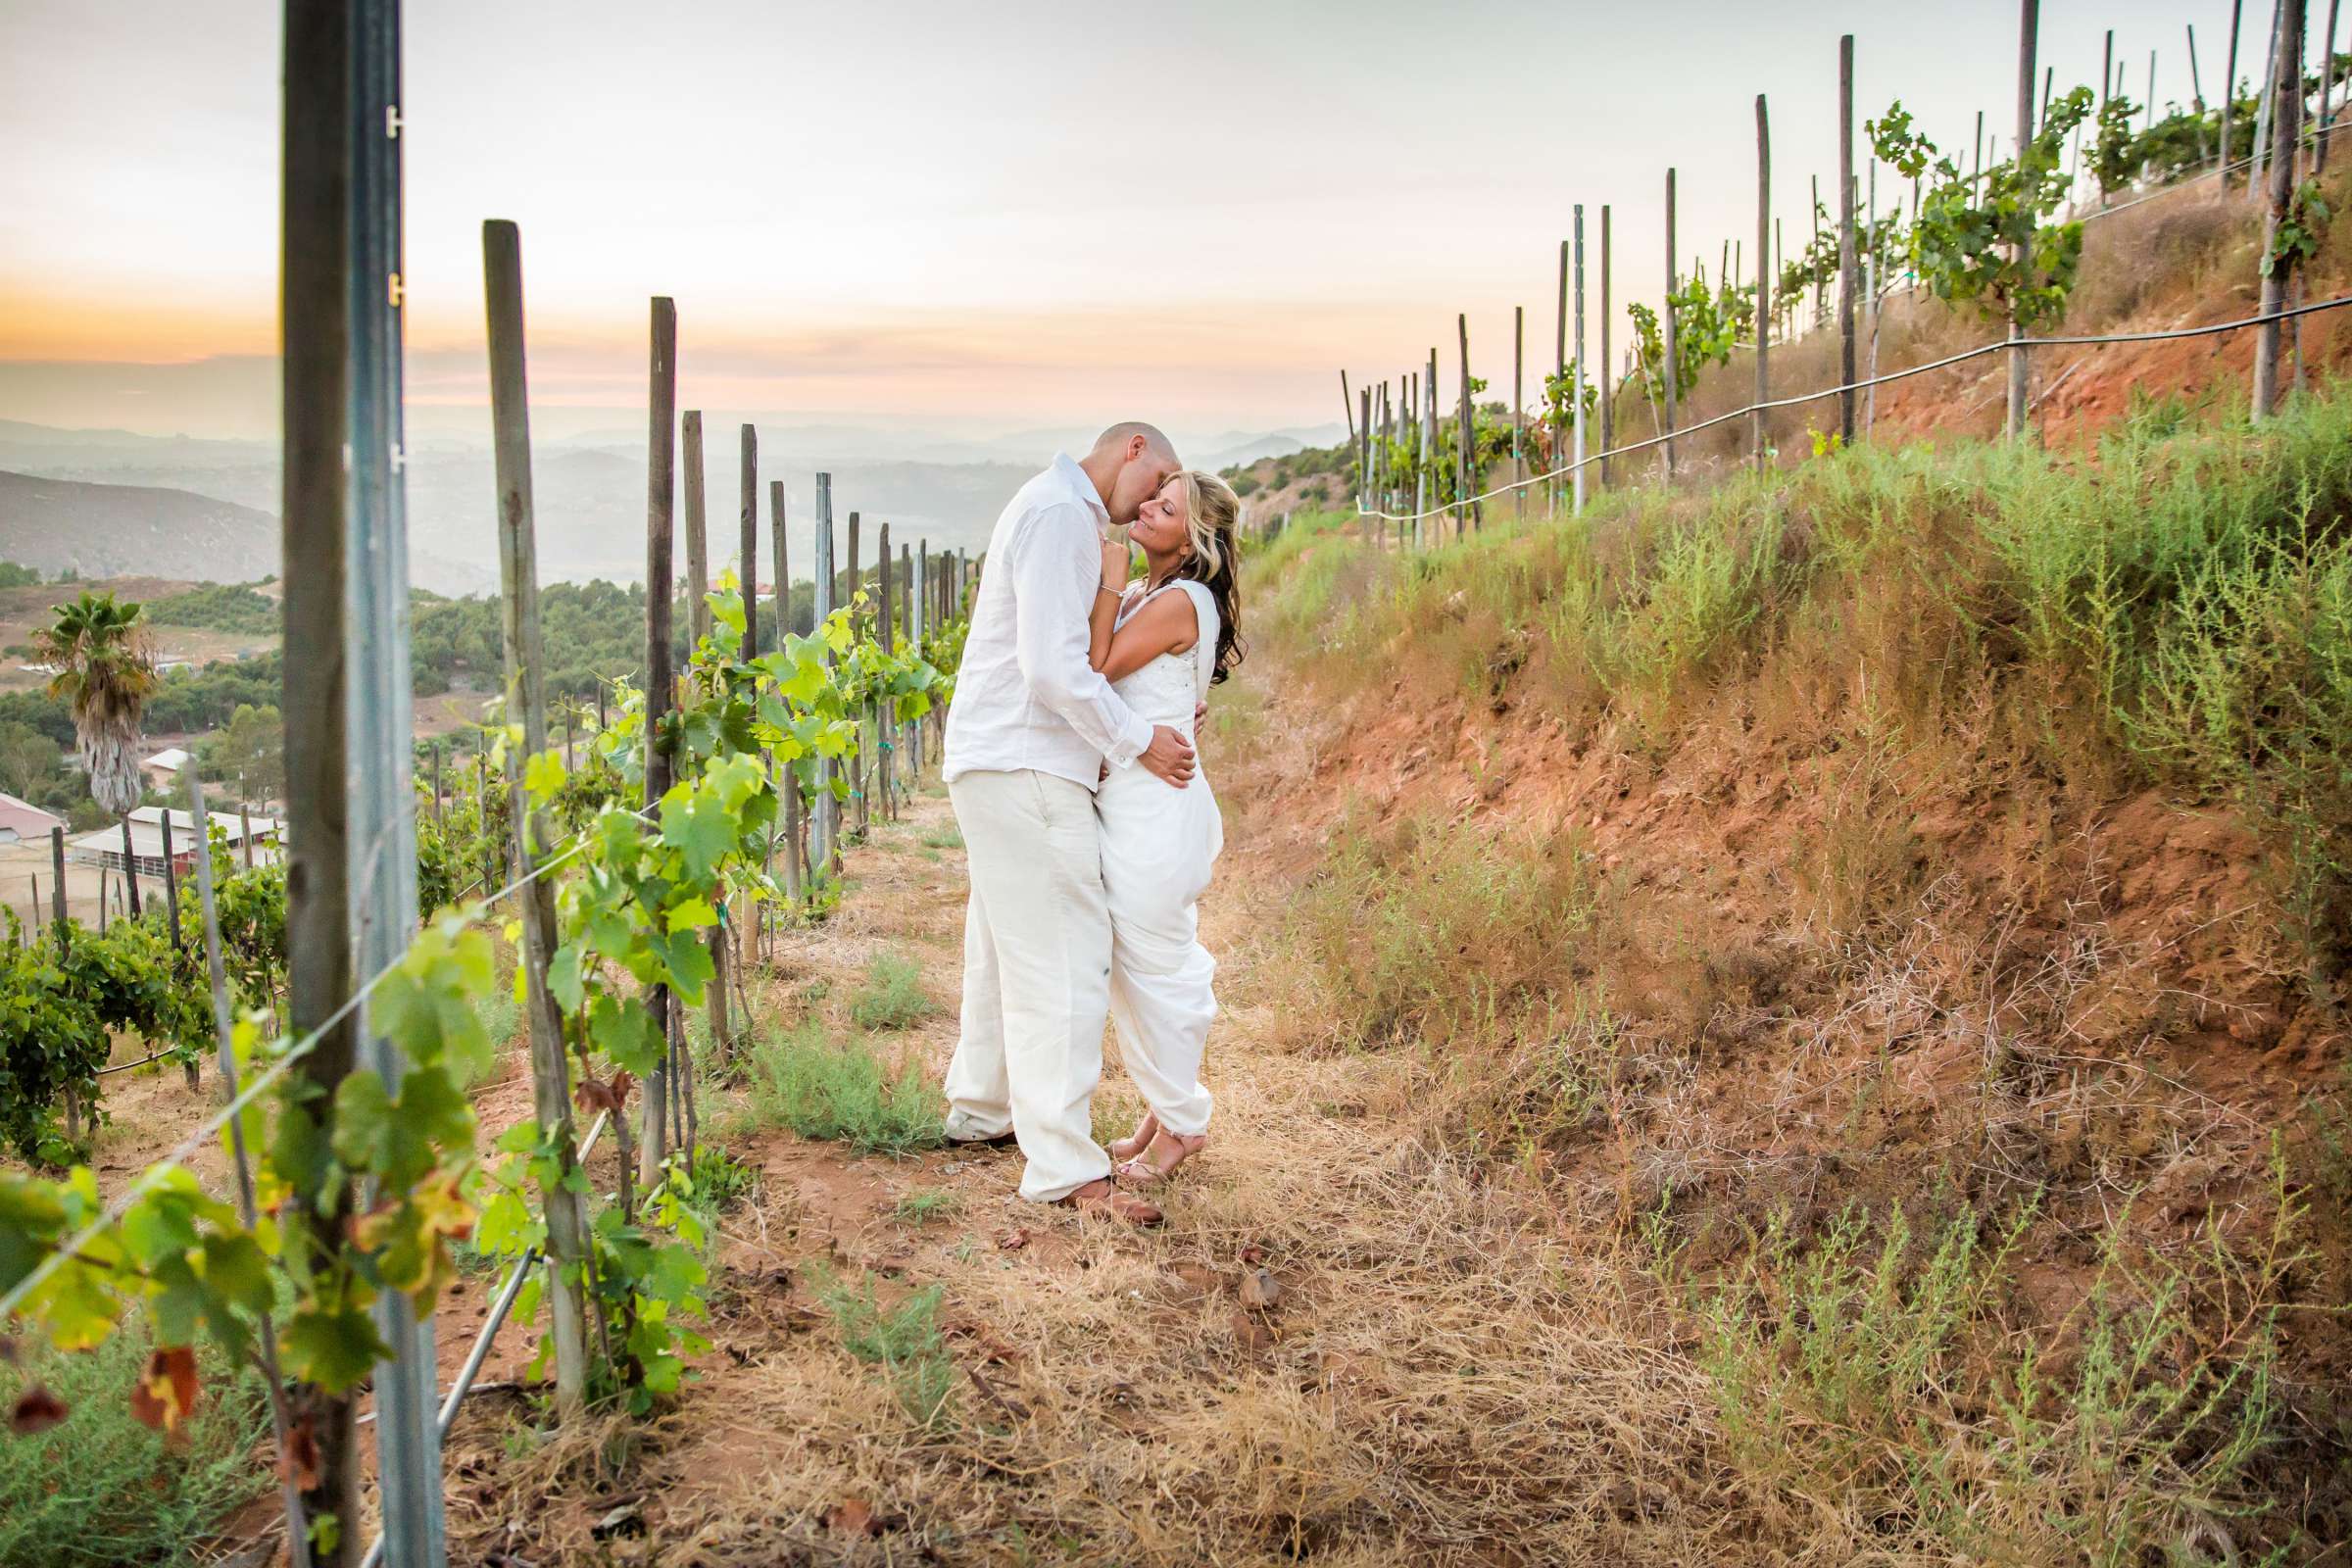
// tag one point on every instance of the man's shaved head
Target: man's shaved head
(1126, 430)
(1130, 462)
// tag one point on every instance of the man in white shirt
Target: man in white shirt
(1029, 731)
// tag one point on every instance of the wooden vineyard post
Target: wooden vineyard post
(526, 700)
(2287, 103)
(878, 703)
(35, 878)
(1518, 408)
(315, 307)
(436, 805)
(1347, 411)
(859, 781)
(1846, 237)
(747, 541)
(1363, 461)
(1670, 359)
(2221, 157)
(824, 862)
(1764, 284)
(2321, 137)
(130, 873)
(1559, 371)
(171, 912)
(1576, 387)
(697, 542)
(298, 1536)
(171, 879)
(245, 815)
(1608, 391)
(1425, 530)
(660, 480)
(1425, 417)
(910, 735)
(792, 853)
(2029, 31)
(57, 888)
(1466, 437)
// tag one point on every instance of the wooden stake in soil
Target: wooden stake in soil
(2319, 153)
(298, 1535)
(131, 870)
(1465, 434)
(2221, 157)
(315, 306)
(698, 540)
(1576, 385)
(824, 853)
(1845, 236)
(1518, 406)
(1670, 359)
(884, 623)
(2029, 32)
(748, 542)
(1559, 371)
(2286, 104)
(57, 885)
(525, 656)
(1764, 286)
(1608, 391)
(660, 485)
(794, 850)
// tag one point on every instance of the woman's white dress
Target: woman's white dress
(1159, 846)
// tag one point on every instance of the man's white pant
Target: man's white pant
(1036, 975)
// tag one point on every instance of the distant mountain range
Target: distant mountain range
(110, 530)
(111, 501)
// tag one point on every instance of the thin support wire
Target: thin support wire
(1996, 347)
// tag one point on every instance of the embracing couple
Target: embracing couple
(1088, 831)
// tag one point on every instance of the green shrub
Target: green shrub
(100, 1489)
(892, 996)
(820, 1087)
(1870, 1373)
(903, 1341)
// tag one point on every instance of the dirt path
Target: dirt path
(1434, 1379)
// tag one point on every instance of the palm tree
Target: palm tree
(105, 672)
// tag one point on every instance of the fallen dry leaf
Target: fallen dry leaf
(1014, 1240)
(1260, 1289)
(1252, 1334)
(300, 1462)
(1253, 1255)
(167, 1389)
(37, 1411)
(852, 1516)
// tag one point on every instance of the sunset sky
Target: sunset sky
(973, 218)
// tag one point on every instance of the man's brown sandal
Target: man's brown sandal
(1102, 1196)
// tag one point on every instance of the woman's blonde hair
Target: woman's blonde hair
(1212, 520)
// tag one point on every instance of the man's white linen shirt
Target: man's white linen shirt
(1026, 699)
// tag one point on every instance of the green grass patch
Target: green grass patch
(844, 1091)
(943, 838)
(921, 1209)
(903, 1341)
(890, 996)
(100, 1489)
(1871, 1371)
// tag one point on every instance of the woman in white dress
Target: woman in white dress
(1162, 643)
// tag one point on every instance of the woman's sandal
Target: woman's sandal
(1137, 1142)
(1140, 1171)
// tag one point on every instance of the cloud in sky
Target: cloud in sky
(1019, 211)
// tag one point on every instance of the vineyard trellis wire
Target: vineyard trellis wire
(2000, 346)
(2000, 237)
